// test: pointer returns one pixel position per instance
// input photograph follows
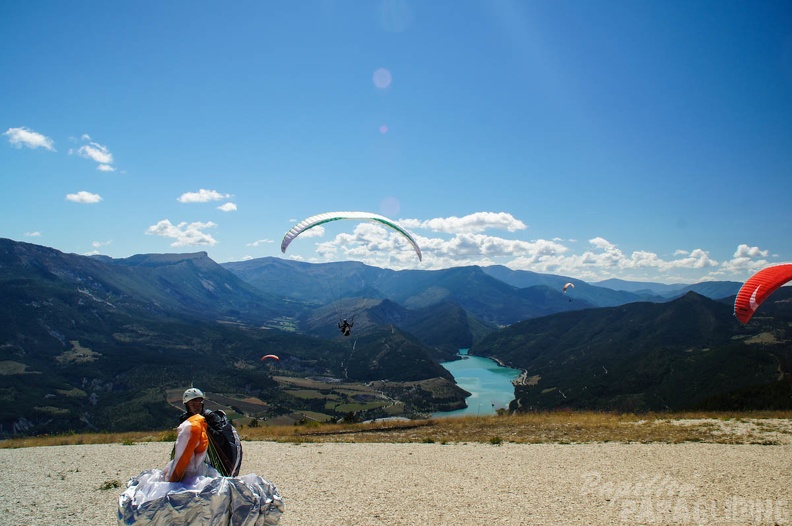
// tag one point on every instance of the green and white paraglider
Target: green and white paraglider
(320, 219)
(338, 297)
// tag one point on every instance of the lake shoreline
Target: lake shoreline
(489, 382)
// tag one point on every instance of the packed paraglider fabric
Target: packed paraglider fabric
(319, 219)
(758, 288)
(208, 499)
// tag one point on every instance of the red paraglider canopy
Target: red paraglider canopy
(758, 288)
(269, 356)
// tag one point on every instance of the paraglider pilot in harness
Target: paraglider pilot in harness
(345, 327)
(192, 442)
(224, 451)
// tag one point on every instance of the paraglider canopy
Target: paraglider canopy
(271, 356)
(758, 288)
(568, 285)
(319, 219)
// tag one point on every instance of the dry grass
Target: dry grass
(770, 428)
(90, 438)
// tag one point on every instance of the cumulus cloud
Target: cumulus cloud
(227, 207)
(259, 242)
(19, 137)
(185, 234)
(202, 196)
(366, 241)
(317, 231)
(33, 234)
(744, 251)
(377, 245)
(472, 223)
(455, 242)
(84, 197)
(602, 259)
(745, 260)
(95, 152)
(466, 245)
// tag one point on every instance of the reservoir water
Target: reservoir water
(489, 383)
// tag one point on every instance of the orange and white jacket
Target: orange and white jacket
(191, 445)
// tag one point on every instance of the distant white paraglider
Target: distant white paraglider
(567, 286)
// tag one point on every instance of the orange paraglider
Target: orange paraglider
(758, 288)
(272, 356)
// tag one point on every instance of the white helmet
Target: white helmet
(191, 394)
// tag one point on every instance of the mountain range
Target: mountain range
(92, 342)
(685, 354)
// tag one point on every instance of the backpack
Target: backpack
(225, 447)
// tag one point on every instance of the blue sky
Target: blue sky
(641, 140)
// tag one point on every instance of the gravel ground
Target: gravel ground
(434, 484)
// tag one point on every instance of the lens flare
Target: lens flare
(382, 78)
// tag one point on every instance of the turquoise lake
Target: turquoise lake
(489, 384)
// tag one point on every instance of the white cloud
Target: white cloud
(97, 244)
(317, 231)
(202, 196)
(379, 246)
(603, 259)
(259, 242)
(95, 152)
(463, 246)
(460, 241)
(472, 223)
(744, 251)
(228, 207)
(33, 234)
(19, 137)
(745, 260)
(84, 197)
(185, 234)
(602, 244)
(367, 242)
(697, 259)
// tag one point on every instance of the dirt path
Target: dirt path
(422, 484)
